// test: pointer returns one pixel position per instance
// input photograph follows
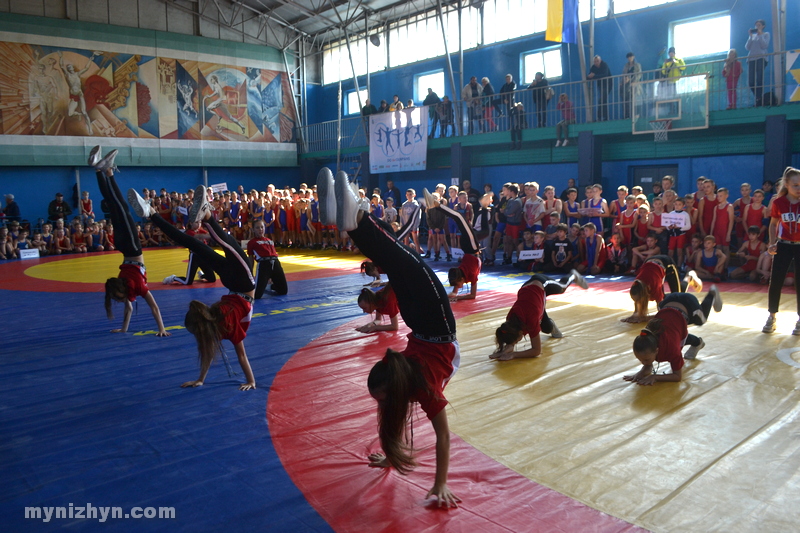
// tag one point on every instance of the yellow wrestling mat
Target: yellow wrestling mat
(160, 263)
(719, 451)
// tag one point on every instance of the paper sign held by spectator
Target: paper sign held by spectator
(530, 255)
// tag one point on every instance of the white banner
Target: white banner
(219, 187)
(398, 140)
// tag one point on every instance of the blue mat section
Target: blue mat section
(91, 417)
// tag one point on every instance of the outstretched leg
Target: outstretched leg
(469, 242)
(126, 237)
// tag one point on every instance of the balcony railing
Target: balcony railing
(475, 119)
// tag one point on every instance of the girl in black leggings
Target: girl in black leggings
(528, 316)
(665, 335)
(229, 318)
(132, 279)
(421, 371)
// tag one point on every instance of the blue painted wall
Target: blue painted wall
(645, 32)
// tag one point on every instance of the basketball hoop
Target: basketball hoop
(661, 129)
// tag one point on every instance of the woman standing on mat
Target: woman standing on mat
(421, 371)
(132, 279)
(229, 318)
(665, 335)
(528, 316)
(785, 212)
(649, 285)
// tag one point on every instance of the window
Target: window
(433, 80)
(548, 62)
(351, 103)
(336, 62)
(623, 6)
(702, 36)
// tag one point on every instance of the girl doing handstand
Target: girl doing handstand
(421, 371)
(132, 279)
(229, 318)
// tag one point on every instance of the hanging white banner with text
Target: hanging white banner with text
(398, 140)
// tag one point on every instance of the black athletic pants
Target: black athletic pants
(126, 238)
(233, 269)
(421, 297)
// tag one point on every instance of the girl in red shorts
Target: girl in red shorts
(528, 316)
(420, 372)
(132, 279)
(665, 335)
(229, 318)
(383, 303)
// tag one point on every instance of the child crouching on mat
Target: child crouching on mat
(649, 285)
(665, 335)
(132, 279)
(529, 317)
(422, 370)
(368, 268)
(382, 302)
(229, 318)
(470, 267)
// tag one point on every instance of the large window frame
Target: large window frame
(421, 84)
(528, 65)
(689, 32)
(351, 101)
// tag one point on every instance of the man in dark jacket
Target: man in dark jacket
(431, 100)
(58, 208)
(12, 209)
(601, 74)
(366, 111)
(539, 93)
(507, 93)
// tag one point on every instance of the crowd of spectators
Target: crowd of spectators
(489, 110)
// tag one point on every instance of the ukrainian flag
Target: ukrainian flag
(562, 21)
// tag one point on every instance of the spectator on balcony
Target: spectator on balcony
(507, 93)
(396, 104)
(671, 71)
(445, 111)
(432, 100)
(567, 118)
(757, 45)
(601, 74)
(631, 73)
(539, 92)
(471, 94)
(384, 107)
(11, 210)
(58, 208)
(488, 105)
(518, 123)
(366, 111)
(731, 71)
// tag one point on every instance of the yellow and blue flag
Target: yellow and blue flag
(562, 21)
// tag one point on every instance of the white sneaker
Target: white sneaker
(138, 204)
(558, 143)
(564, 143)
(691, 353)
(200, 205)
(169, 279)
(578, 279)
(717, 298)
(327, 197)
(107, 162)
(693, 281)
(430, 201)
(95, 156)
(346, 203)
(770, 326)
(555, 333)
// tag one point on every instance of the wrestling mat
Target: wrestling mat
(557, 443)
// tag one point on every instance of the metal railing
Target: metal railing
(475, 119)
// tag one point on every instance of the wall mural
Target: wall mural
(46, 90)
